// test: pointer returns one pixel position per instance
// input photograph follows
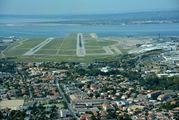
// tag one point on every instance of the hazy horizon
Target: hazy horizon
(71, 7)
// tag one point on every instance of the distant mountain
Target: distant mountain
(151, 15)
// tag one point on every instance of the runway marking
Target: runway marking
(60, 46)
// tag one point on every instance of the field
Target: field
(13, 104)
(66, 49)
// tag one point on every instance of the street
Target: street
(68, 105)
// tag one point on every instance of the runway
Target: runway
(80, 52)
(36, 48)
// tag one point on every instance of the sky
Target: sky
(35, 7)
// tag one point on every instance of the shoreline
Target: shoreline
(40, 24)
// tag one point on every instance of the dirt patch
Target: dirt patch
(13, 104)
(93, 35)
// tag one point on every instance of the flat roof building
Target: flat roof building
(89, 101)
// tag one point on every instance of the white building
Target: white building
(63, 113)
(162, 97)
(7, 40)
(105, 69)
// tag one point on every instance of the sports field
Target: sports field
(64, 49)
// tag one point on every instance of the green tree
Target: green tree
(8, 97)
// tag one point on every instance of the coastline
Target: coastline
(90, 24)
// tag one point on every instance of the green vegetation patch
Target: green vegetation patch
(69, 43)
(14, 44)
(2, 48)
(32, 42)
(91, 47)
(113, 50)
(96, 51)
(15, 52)
(67, 52)
(46, 52)
(124, 51)
(91, 42)
(54, 58)
(72, 35)
(53, 44)
(86, 35)
(107, 43)
(6, 44)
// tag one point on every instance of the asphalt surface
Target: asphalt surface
(36, 48)
(80, 45)
(70, 109)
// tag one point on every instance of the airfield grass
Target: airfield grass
(67, 58)
(15, 52)
(124, 51)
(92, 47)
(1, 49)
(67, 52)
(113, 51)
(54, 58)
(32, 42)
(86, 35)
(14, 44)
(18, 42)
(6, 44)
(107, 43)
(69, 43)
(72, 35)
(92, 42)
(53, 44)
(46, 52)
(96, 51)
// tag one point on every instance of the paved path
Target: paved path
(69, 107)
(36, 48)
(2, 52)
(108, 51)
(116, 49)
(21, 42)
(80, 52)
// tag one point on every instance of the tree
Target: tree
(97, 95)
(90, 95)
(93, 117)
(8, 97)
(99, 108)
(80, 85)
(55, 73)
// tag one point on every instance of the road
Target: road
(21, 42)
(72, 112)
(2, 52)
(30, 92)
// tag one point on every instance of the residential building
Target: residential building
(162, 97)
(107, 106)
(154, 94)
